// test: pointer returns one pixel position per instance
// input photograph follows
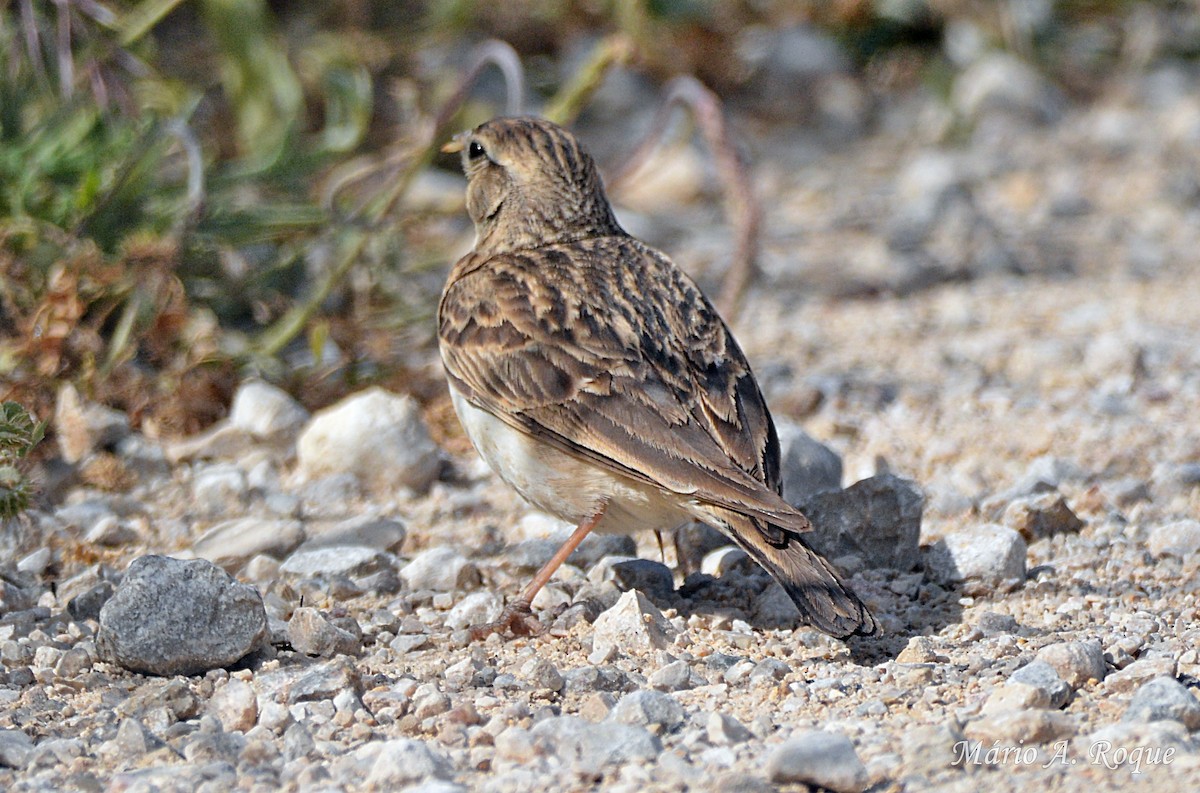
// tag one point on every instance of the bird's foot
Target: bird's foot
(517, 619)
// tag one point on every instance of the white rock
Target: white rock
(265, 411)
(233, 543)
(82, 426)
(989, 556)
(403, 761)
(441, 569)
(1075, 662)
(334, 560)
(1180, 539)
(724, 730)
(110, 531)
(235, 705)
(375, 435)
(476, 608)
(725, 560)
(36, 562)
(633, 623)
(219, 488)
(1004, 82)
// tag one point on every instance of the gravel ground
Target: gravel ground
(1008, 320)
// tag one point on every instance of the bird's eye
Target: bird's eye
(475, 150)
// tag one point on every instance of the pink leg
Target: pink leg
(517, 617)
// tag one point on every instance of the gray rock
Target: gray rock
(375, 435)
(171, 617)
(266, 411)
(233, 543)
(403, 761)
(132, 739)
(171, 698)
(86, 605)
(1164, 698)
(83, 427)
(15, 747)
(335, 560)
(1171, 478)
(1075, 662)
(693, 541)
(543, 675)
(824, 759)
(312, 633)
(993, 624)
(877, 519)
(1046, 473)
(653, 578)
(807, 465)
(532, 554)
(84, 516)
(1180, 539)
(201, 776)
(73, 663)
(775, 609)
(979, 557)
(1040, 516)
(588, 748)
(649, 709)
(634, 623)
(320, 681)
(441, 569)
(1042, 676)
(371, 531)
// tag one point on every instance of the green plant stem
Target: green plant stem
(141, 19)
(569, 101)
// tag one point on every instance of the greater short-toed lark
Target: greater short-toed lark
(595, 378)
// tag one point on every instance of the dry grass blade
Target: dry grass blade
(566, 104)
(492, 52)
(408, 164)
(741, 204)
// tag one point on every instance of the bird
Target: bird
(596, 379)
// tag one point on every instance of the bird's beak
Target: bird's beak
(457, 143)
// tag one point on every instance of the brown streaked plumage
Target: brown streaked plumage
(594, 376)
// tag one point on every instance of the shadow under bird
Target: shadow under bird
(596, 379)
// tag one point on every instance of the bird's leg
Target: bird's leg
(517, 617)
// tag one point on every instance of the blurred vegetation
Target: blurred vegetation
(19, 433)
(192, 189)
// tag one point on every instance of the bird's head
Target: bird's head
(530, 183)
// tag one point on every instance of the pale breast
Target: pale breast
(562, 485)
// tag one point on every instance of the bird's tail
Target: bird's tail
(823, 598)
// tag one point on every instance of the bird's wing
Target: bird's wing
(607, 351)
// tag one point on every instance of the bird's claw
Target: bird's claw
(517, 619)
